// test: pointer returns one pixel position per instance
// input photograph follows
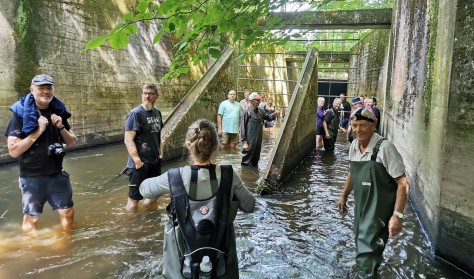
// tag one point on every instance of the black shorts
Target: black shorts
(320, 131)
(136, 177)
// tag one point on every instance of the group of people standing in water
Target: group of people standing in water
(199, 237)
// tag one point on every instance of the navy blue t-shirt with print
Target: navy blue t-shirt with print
(147, 125)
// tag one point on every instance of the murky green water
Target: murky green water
(294, 233)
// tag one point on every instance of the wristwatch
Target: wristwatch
(398, 214)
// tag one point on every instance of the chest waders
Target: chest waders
(374, 194)
(254, 140)
(199, 234)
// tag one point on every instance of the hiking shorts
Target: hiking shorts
(136, 177)
(230, 138)
(37, 190)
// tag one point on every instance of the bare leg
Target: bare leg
(67, 218)
(131, 205)
(232, 146)
(29, 223)
(149, 202)
(224, 146)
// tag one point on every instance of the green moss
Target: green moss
(102, 13)
(433, 25)
(25, 39)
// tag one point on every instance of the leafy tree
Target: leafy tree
(198, 26)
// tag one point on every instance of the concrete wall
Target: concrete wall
(429, 116)
(99, 86)
(368, 65)
(296, 139)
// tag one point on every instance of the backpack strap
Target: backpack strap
(375, 151)
(194, 176)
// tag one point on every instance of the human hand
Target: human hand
(341, 204)
(42, 123)
(219, 133)
(57, 121)
(394, 226)
(245, 147)
(327, 136)
(139, 164)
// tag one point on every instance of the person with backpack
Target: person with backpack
(204, 202)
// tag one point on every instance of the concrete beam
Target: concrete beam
(177, 123)
(296, 138)
(355, 19)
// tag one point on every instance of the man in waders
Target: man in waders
(251, 129)
(377, 175)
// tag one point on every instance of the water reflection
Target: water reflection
(295, 233)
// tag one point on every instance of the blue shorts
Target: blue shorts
(37, 190)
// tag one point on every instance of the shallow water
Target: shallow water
(296, 232)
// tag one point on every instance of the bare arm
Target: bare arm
(341, 204)
(132, 148)
(395, 223)
(68, 136)
(17, 146)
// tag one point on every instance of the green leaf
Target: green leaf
(158, 37)
(249, 40)
(142, 6)
(215, 53)
(130, 29)
(127, 17)
(247, 32)
(171, 26)
(119, 41)
(95, 43)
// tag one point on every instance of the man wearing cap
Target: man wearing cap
(377, 176)
(143, 141)
(251, 130)
(356, 102)
(36, 134)
(228, 121)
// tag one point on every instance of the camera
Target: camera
(56, 149)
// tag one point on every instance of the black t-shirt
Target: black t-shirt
(35, 161)
(148, 125)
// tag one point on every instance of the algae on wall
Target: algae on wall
(367, 65)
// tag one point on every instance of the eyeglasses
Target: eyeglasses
(148, 94)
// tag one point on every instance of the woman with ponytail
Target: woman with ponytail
(201, 220)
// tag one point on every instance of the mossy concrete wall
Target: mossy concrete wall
(99, 86)
(428, 114)
(368, 66)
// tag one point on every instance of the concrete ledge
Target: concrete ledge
(175, 126)
(296, 138)
(355, 19)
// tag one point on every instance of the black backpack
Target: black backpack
(203, 224)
